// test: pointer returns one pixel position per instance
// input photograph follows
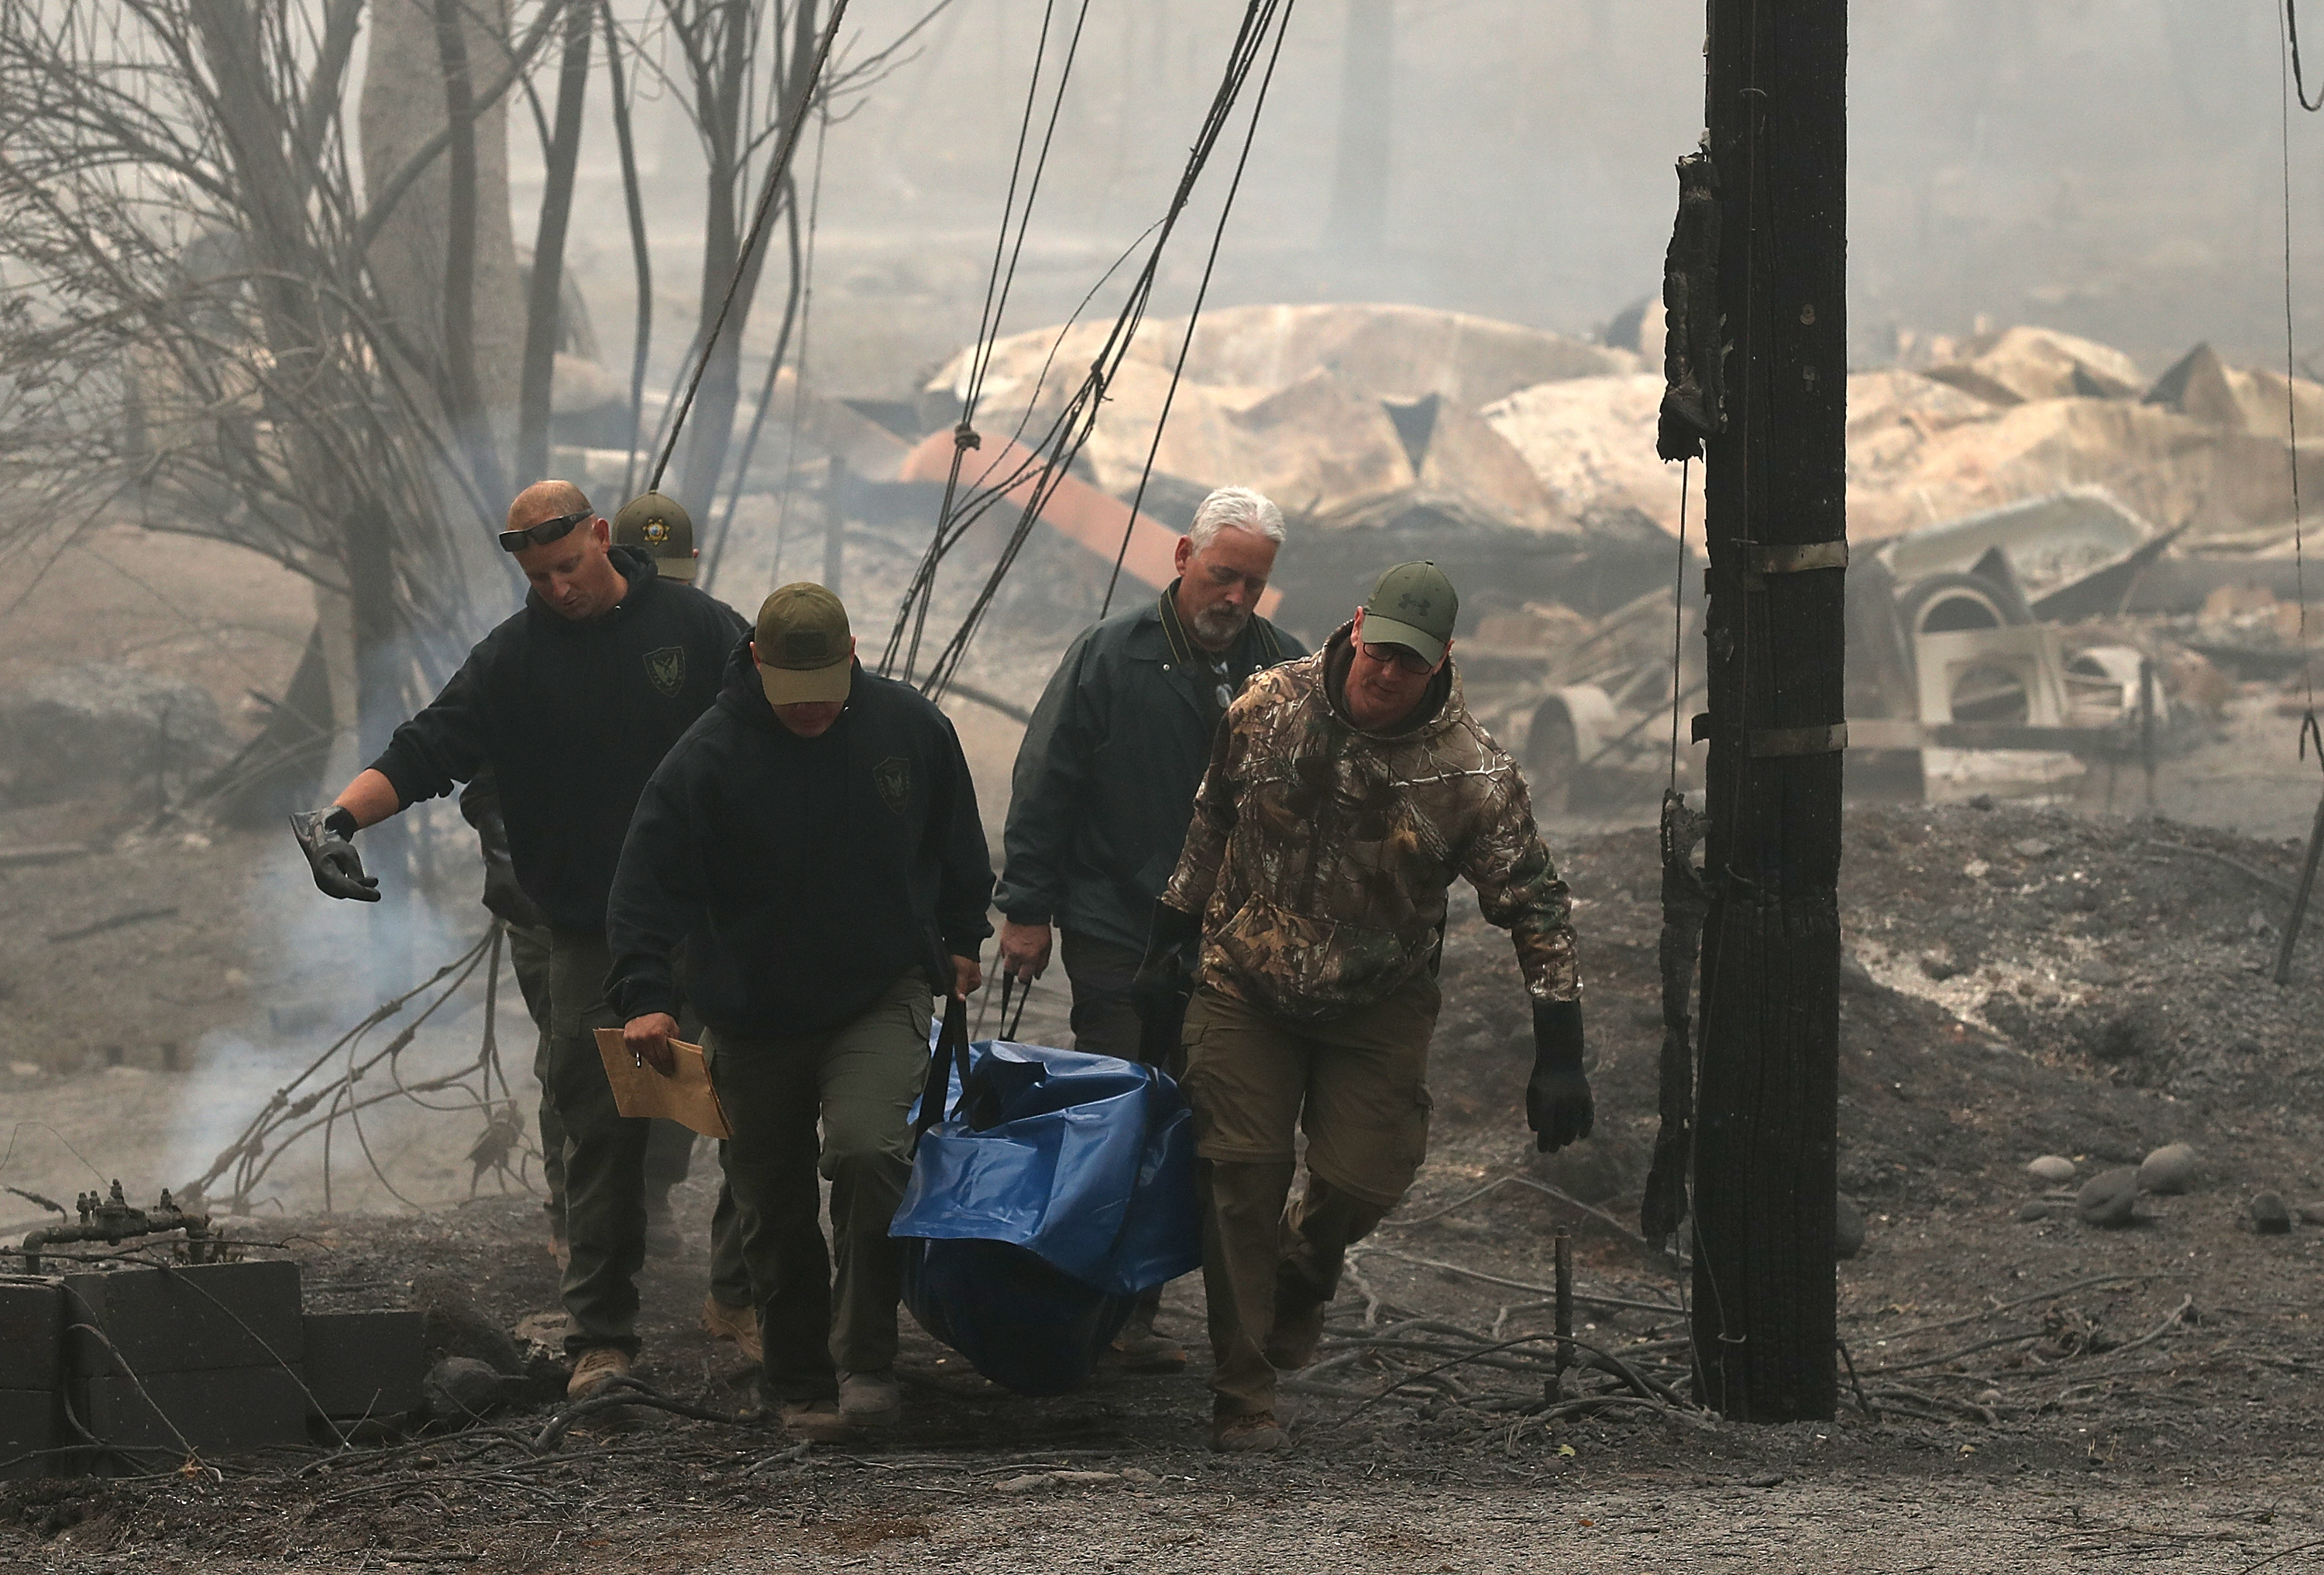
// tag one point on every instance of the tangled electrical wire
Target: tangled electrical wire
(316, 1101)
(1046, 463)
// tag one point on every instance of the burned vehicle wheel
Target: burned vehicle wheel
(1553, 759)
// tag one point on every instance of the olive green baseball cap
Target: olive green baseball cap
(804, 647)
(660, 526)
(1413, 606)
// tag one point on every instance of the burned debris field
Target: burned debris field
(2022, 1389)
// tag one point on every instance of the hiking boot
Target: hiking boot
(1138, 1349)
(599, 1366)
(739, 1324)
(873, 1400)
(662, 1239)
(1258, 1432)
(1291, 1344)
(818, 1420)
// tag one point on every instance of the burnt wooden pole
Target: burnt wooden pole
(1777, 531)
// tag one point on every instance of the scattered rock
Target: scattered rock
(1940, 967)
(77, 729)
(2007, 1015)
(2030, 848)
(2098, 971)
(1065, 1479)
(460, 1389)
(2033, 1210)
(2110, 1199)
(1847, 1229)
(1981, 801)
(1765, 1479)
(1853, 975)
(1976, 869)
(2309, 1214)
(453, 1328)
(2269, 1217)
(2169, 1170)
(1032, 1482)
(1139, 1474)
(548, 1329)
(2053, 1168)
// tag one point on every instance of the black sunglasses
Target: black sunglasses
(547, 531)
(1403, 657)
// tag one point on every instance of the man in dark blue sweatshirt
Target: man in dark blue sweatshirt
(569, 705)
(816, 832)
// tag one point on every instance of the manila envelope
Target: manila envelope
(685, 1097)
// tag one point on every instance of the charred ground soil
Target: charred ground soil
(2029, 1392)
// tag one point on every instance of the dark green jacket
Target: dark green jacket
(1105, 779)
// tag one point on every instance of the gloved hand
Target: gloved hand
(1166, 973)
(503, 894)
(1557, 1096)
(338, 868)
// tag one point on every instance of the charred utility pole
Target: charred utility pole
(1771, 207)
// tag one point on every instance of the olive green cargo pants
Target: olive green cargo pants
(1357, 1087)
(606, 1159)
(860, 1079)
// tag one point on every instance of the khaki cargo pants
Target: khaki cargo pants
(1357, 1087)
(859, 1080)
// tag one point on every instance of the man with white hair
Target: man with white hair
(1105, 780)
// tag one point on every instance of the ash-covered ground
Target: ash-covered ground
(2028, 1392)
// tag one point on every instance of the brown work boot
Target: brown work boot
(1139, 1349)
(871, 1400)
(1291, 1344)
(739, 1324)
(599, 1366)
(818, 1420)
(1259, 1432)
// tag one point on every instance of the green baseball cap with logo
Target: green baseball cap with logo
(1413, 606)
(660, 526)
(804, 647)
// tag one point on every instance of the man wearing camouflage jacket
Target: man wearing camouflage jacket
(1344, 793)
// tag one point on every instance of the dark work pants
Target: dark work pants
(860, 1080)
(608, 1159)
(669, 1151)
(1105, 1023)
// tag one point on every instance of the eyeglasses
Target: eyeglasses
(547, 531)
(1409, 661)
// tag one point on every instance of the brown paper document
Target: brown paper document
(685, 1097)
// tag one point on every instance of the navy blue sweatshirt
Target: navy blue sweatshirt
(823, 867)
(571, 718)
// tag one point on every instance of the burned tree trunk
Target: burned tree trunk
(1359, 221)
(1776, 521)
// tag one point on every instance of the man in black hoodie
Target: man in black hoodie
(571, 704)
(817, 833)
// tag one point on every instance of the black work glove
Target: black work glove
(1164, 978)
(503, 894)
(1557, 1096)
(338, 868)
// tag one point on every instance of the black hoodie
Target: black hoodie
(572, 718)
(824, 867)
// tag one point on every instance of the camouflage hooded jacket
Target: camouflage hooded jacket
(1320, 853)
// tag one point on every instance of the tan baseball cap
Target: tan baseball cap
(660, 526)
(804, 649)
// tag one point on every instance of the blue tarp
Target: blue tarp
(1059, 1188)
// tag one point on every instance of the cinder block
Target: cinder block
(218, 1412)
(202, 1318)
(30, 1433)
(366, 1364)
(31, 1322)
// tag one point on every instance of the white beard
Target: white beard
(1217, 627)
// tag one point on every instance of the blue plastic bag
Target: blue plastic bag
(1060, 1187)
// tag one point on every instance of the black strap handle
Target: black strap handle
(951, 1050)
